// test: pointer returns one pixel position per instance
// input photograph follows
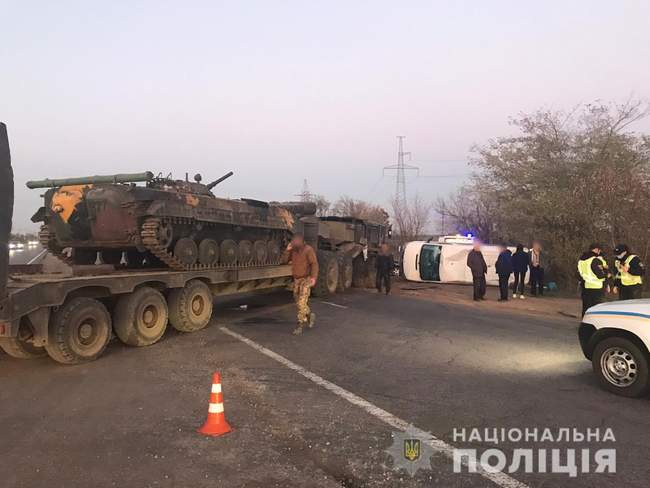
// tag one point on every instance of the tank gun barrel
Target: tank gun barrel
(92, 180)
(210, 186)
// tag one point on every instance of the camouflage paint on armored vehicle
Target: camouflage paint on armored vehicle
(175, 223)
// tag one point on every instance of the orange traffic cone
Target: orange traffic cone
(216, 422)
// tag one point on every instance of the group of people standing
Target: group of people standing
(506, 265)
(596, 278)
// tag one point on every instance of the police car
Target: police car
(615, 337)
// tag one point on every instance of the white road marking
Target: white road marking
(438, 445)
(334, 304)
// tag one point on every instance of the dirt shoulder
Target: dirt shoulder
(551, 306)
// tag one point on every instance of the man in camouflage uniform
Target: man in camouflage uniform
(304, 268)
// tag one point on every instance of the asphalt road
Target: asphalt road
(129, 419)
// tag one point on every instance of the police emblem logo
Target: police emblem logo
(412, 449)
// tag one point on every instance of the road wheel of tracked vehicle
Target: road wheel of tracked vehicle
(20, 347)
(190, 307)
(245, 252)
(345, 273)
(229, 252)
(273, 252)
(83, 256)
(165, 234)
(112, 256)
(260, 252)
(79, 331)
(208, 252)
(186, 251)
(328, 274)
(140, 318)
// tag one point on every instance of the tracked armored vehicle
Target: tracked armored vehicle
(164, 223)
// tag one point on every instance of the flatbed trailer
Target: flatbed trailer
(72, 317)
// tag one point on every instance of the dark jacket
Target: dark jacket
(384, 264)
(520, 261)
(476, 263)
(503, 265)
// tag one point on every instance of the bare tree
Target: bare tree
(347, 206)
(567, 179)
(411, 218)
(322, 205)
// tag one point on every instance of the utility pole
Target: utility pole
(305, 195)
(401, 167)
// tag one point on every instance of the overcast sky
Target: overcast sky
(279, 91)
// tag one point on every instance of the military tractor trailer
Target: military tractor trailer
(126, 287)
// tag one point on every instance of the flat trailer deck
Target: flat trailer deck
(72, 317)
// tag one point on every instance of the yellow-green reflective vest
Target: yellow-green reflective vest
(592, 282)
(626, 278)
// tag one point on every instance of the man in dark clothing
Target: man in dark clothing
(629, 273)
(520, 262)
(476, 263)
(594, 273)
(503, 268)
(384, 264)
(537, 264)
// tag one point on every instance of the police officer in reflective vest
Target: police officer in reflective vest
(593, 273)
(629, 273)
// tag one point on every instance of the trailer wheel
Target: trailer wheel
(79, 331)
(190, 307)
(371, 272)
(140, 318)
(19, 347)
(358, 272)
(345, 273)
(328, 274)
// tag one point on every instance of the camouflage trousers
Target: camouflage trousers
(301, 291)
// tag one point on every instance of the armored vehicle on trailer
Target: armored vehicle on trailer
(347, 248)
(165, 222)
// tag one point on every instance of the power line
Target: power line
(305, 195)
(401, 167)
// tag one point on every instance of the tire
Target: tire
(79, 331)
(260, 252)
(358, 272)
(229, 252)
(140, 318)
(621, 367)
(190, 307)
(245, 252)
(328, 274)
(273, 252)
(208, 252)
(186, 251)
(371, 272)
(18, 347)
(345, 273)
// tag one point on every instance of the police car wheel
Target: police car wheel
(621, 367)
